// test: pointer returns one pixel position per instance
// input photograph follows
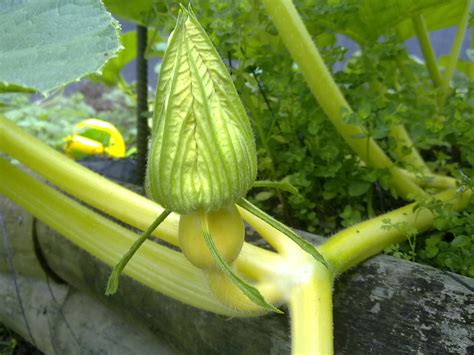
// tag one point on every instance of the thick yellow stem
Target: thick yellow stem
(154, 265)
(104, 194)
(311, 314)
(412, 158)
(456, 49)
(361, 241)
(422, 33)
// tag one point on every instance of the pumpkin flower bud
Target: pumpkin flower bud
(202, 157)
(203, 153)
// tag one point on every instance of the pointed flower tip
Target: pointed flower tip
(185, 12)
(202, 151)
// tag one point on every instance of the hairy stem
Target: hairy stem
(435, 181)
(428, 53)
(288, 232)
(352, 245)
(81, 182)
(155, 266)
(113, 283)
(303, 50)
(311, 315)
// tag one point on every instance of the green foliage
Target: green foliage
(53, 119)
(8, 343)
(385, 86)
(456, 255)
(47, 44)
(366, 20)
(408, 251)
(110, 74)
(451, 246)
(143, 12)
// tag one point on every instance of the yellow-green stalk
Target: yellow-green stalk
(423, 36)
(412, 157)
(455, 50)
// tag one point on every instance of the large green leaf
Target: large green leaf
(46, 44)
(137, 10)
(110, 73)
(367, 20)
(442, 15)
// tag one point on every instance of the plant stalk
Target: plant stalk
(400, 135)
(305, 53)
(352, 245)
(83, 183)
(113, 283)
(154, 265)
(109, 197)
(436, 181)
(311, 315)
(426, 48)
(456, 49)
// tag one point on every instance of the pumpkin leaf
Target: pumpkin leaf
(49, 43)
(367, 20)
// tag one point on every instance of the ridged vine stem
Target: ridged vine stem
(412, 158)
(456, 48)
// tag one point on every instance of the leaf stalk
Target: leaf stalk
(311, 312)
(455, 50)
(422, 34)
